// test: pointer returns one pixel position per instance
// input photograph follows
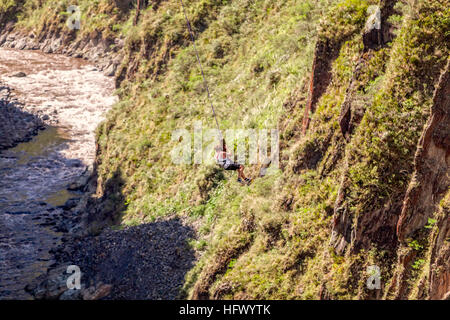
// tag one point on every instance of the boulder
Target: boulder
(97, 292)
(19, 74)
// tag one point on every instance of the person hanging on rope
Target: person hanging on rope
(223, 159)
(222, 156)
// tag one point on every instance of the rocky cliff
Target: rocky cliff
(359, 91)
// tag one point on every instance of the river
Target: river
(70, 97)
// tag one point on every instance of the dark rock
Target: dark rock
(111, 70)
(81, 182)
(19, 74)
(16, 124)
(54, 285)
(378, 31)
(71, 203)
(71, 295)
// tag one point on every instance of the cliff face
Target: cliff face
(439, 268)
(359, 91)
(396, 223)
(428, 187)
(378, 226)
(430, 180)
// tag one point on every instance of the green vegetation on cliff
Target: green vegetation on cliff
(274, 238)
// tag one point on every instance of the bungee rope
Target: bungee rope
(201, 67)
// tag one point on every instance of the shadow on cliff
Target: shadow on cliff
(147, 261)
(108, 207)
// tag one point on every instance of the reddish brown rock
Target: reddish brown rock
(326, 52)
(440, 261)
(97, 293)
(431, 178)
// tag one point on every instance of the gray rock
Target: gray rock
(111, 70)
(71, 203)
(80, 183)
(71, 295)
(54, 285)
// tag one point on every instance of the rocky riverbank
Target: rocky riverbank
(104, 53)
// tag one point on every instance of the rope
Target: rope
(201, 67)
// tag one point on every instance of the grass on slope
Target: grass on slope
(251, 74)
(270, 240)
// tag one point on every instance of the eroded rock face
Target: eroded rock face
(428, 188)
(378, 227)
(428, 197)
(377, 33)
(362, 232)
(429, 184)
(352, 113)
(439, 286)
(326, 52)
(434, 283)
